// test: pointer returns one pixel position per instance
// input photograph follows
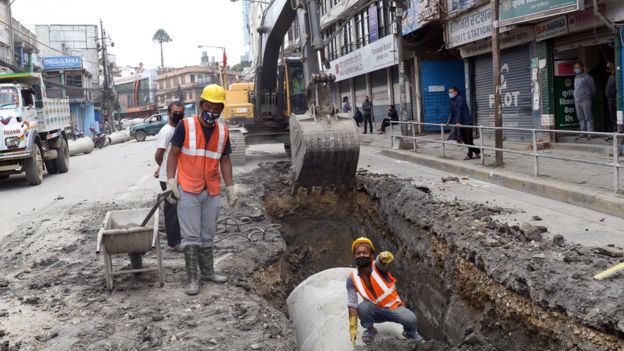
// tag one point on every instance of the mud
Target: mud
(474, 283)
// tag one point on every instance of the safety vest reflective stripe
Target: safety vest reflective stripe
(389, 297)
(192, 134)
(200, 152)
(192, 150)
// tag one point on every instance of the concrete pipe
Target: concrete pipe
(119, 137)
(80, 146)
(318, 310)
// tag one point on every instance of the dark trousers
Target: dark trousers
(385, 123)
(612, 114)
(467, 138)
(172, 225)
(369, 119)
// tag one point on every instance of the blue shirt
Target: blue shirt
(179, 134)
(584, 87)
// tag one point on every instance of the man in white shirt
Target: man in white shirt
(175, 111)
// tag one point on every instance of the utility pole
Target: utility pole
(106, 108)
(399, 6)
(498, 109)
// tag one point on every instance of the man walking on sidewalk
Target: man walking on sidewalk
(584, 91)
(175, 112)
(367, 111)
(460, 115)
(200, 153)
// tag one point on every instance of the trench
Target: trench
(474, 283)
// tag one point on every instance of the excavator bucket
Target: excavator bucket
(325, 150)
(325, 145)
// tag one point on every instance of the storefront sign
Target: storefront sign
(419, 13)
(551, 28)
(472, 26)
(565, 112)
(583, 20)
(62, 62)
(373, 26)
(374, 56)
(4, 34)
(517, 11)
(507, 39)
(456, 6)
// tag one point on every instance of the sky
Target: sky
(131, 25)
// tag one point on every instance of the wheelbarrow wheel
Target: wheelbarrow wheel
(136, 260)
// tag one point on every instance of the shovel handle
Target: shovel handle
(162, 196)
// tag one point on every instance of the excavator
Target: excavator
(290, 102)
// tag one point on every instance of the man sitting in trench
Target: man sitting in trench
(376, 285)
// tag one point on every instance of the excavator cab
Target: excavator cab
(296, 87)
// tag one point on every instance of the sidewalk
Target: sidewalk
(580, 184)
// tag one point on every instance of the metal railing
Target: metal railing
(535, 152)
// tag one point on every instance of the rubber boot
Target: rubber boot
(206, 265)
(191, 255)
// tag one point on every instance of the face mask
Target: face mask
(577, 71)
(363, 261)
(210, 116)
(451, 95)
(176, 118)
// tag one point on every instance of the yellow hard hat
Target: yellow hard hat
(362, 240)
(213, 93)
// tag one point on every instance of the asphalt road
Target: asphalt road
(121, 172)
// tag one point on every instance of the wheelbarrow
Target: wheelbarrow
(133, 232)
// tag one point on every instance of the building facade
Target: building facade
(18, 48)
(136, 94)
(70, 65)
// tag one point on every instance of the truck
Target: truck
(32, 128)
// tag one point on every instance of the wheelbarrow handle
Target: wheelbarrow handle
(160, 198)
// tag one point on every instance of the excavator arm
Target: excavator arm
(324, 143)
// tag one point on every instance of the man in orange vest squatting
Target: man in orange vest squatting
(376, 285)
(200, 151)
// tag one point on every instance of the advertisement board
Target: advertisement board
(419, 13)
(518, 11)
(373, 23)
(374, 56)
(61, 62)
(470, 27)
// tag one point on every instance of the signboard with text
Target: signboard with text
(470, 27)
(61, 62)
(419, 13)
(518, 11)
(377, 55)
(508, 39)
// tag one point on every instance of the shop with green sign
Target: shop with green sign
(517, 11)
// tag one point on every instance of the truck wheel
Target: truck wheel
(62, 159)
(34, 167)
(140, 135)
(50, 166)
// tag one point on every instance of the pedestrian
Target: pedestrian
(175, 112)
(200, 152)
(611, 95)
(392, 116)
(459, 116)
(346, 106)
(367, 111)
(357, 116)
(584, 92)
(372, 280)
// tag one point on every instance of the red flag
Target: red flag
(224, 58)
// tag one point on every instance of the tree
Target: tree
(161, 37)
(237, 67)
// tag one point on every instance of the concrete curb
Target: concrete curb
(596, 200)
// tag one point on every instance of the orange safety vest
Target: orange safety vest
(387, 296)
(199, 161)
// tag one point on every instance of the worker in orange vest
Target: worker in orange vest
(200, 151)
(372, 280)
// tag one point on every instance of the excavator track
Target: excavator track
(325, 151)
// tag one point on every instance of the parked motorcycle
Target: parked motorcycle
(99, 138)
(77, 134)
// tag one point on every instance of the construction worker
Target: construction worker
(200, 151)
(372, 280)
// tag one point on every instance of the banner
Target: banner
(517, 11)
(373, 23)
(374, 56)
(61, 62)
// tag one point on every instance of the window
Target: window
(361, 29)
(182, 79)
(347, 38)
(382, 19)
(192, 78)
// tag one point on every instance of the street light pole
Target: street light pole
(498, 110)
(399, 9)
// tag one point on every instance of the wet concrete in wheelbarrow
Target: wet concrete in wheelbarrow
(474, 283)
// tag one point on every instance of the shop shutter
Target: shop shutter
(515, 94)
(381, 98)
(359, 85)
